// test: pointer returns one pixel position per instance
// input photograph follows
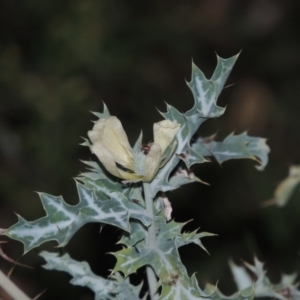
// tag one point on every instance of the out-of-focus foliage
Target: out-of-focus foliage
(59, 59)
(285, 188)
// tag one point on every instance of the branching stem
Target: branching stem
(151, 243)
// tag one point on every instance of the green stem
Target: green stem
(11, 289)
(151, 243)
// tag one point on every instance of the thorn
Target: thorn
(10, 271)
(39, 295)
(229, 85)
(15, 262)
(101, 228)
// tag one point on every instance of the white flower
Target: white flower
(110, 144)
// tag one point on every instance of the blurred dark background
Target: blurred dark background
(60, 59)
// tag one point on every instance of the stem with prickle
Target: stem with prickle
(151, 243)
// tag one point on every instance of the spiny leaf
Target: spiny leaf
(192, 237)
(222, 71)
(126, 290)
(130, 196)
(63, 220)
(105, 113)
(164, 258)
(234, 147)
(215, 294)
(205, 94)
(191, 157)
(192, 292)
(100, 179)
(104, 289)
(184, 288)
(81, 273)
(241, 277)
(182, 177)
(285, 290)
(206, 91)
(137, 233)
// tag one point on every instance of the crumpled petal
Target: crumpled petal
(164, 132)
(108, 133)
(152, 163)
(108, 162)
(168, 153)
(111, 146)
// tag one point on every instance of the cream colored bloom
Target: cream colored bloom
(110, 144)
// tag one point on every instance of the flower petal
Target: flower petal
(109, 134)
(168, 153)
(164, 132)
(153, 160)
(109, 163)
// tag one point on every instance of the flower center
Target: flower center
(146, 148)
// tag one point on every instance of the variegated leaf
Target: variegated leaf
(126, 290)
(234, 147)
(262, 287)
(164, 259)
(215, 294)
(184, 176)
(104, 289)
(63, 220)
(205, 94)
(137, 233)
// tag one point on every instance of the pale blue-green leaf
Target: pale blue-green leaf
(63, 220)
(125, 290)
(215, 294)
(241, 277)
(288, 279)
(168, 267)
(138, 144)
(104, 114)
(174, 115)
(235, 147)
(102, 187)
(164, 259)
(285, 290)
(159, 204)
(98, 172)
(192, 237)
(182, 177)
(137, 233)
(181, 288)
(136, 211)
(205, 94)
(136, 195)
(191, 157)
(129, 260)
(130, 196)
(188, 127)
(86, 142)
(222, 71)
(104, 289)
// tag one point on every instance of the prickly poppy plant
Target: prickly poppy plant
(128, 187)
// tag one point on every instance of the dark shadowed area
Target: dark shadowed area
(60, 59)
